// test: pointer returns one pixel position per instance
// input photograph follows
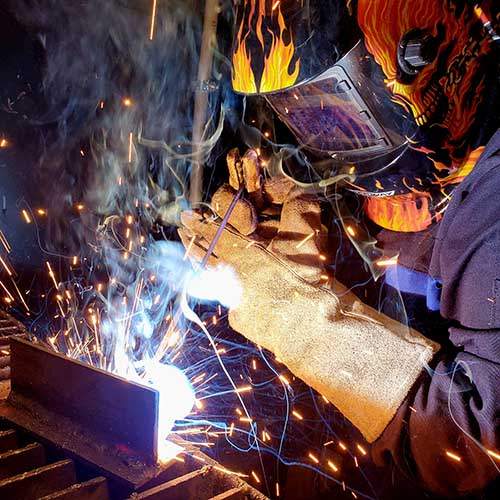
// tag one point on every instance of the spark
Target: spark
(199, 378)
(52, 275)
(80, 206)
(297, 415)
(6, 267)
(21, 296)
(26, 216)
(332, 466)
(254, 475)
(4, 143)
(284, 379)
(244, 389)
(230, 472)
(342, 445)
(75, 260)
(153, 18)
(390, 261)
(313, 458)
(277, 489)
(130, 219)
(361, 449)
(350, 230)
(493, 454)
(453, 456)
(305, 240)
(4, 242)
(254, 364)
(7, 291)
(127, 102)
(41, 211)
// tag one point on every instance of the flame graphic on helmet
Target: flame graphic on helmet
(278, 71)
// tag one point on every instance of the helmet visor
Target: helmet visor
(346, 112)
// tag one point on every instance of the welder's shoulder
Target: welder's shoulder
(467, 252)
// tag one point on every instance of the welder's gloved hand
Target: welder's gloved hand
(364, 364)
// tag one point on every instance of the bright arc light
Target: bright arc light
(219, 284)
(176, 402)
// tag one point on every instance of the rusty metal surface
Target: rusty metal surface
(39, 482)
(8, 440)
(16, 461)
(124, 412)
(95, 489)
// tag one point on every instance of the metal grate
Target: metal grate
(27, 472)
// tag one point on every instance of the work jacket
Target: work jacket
(446, 432)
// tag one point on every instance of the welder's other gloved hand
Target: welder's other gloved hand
(274, 212)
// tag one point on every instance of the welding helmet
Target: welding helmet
(366, 83)
(310, 62)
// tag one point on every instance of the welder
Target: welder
(394, 101)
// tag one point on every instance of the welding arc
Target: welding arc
(163, 345)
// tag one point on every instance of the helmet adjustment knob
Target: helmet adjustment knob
(416, 50)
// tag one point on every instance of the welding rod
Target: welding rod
(221, 228)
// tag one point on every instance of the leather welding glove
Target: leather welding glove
(274, 212)
(362, 361)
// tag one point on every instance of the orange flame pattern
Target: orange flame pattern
(405, 213)
(277, 72)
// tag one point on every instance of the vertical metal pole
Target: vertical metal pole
(201, 97)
